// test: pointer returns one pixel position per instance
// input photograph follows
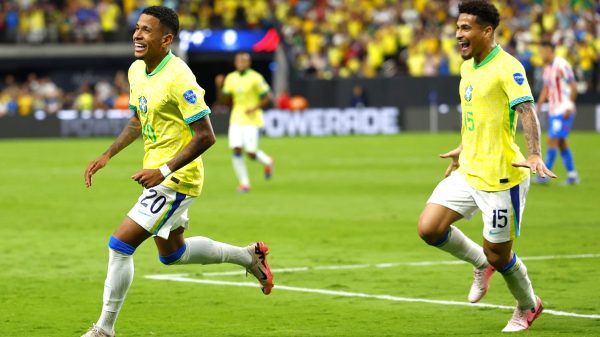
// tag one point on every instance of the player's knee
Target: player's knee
(252, 155)
(237, 152)
(120, 246)
(430, 232)
(497, 259)
(174, 257)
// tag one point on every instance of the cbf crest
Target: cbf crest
(469, 93)
(143, 104)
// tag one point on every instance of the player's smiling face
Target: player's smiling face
(148, 38)
(471, 36)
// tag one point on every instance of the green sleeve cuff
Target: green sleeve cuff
(197, 116)
(520, 100)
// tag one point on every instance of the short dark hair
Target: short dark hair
(547, 43)
(166, 16)
(485, 11)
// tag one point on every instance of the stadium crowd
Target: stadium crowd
(324, 38)
(91, 21)
(42, 94)
(346, 38)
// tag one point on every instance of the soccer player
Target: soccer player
(491, 173)
(172, 116)
(250, 93)
(560, 91)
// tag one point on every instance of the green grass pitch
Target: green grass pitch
(333, 201)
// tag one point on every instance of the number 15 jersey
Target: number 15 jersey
(489, 91)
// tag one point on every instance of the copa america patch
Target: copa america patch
(519, 78)
(190, 96)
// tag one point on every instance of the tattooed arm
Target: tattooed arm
(130, 133)
(531, 129)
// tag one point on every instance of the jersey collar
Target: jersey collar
(161, 65)
(488, 58)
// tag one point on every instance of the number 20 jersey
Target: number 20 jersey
(166, 101)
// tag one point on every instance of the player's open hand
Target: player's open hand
(536, 165)
(148, 177)
(454, 154)
(93, 167)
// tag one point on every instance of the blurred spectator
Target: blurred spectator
(122, 101)
(85, 100)
(110, 13)
(358, 99)
(283, 100)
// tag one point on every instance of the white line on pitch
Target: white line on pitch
(183, 278)
(396, 264)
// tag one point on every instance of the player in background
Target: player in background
(491, 173)
(250, 93)
(560, 90)
(172, 116)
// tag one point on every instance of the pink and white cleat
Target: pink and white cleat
(481, 283)
(269, 170)
(260, 267)
(522, 319)
(243, 189)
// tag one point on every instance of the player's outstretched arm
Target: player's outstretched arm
(130, 133)
(204, 137)
(531, 128)
(454, 155)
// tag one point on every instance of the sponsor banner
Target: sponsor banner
(332, 121)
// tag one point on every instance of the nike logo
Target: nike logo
(495, 232)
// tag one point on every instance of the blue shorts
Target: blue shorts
(559, 127)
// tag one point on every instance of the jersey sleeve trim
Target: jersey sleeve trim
(520, 100)
(264, 94)
(132, 108)
(197, 116)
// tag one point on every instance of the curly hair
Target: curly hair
(485, 11)
(167, 17)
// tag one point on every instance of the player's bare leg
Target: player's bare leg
(265, 160)
(435, 228)
(529, 306)
(239, 166)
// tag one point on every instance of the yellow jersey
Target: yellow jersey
(166, 101)
(489, 91)
(246, 90)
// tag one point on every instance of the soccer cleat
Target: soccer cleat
(259, 267)
(481, 283)
(522, 319)
(269, 171)
(572, 181)
(243, 189)
(95, 331)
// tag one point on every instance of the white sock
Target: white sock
(263, 158)
(519, 284)
(118, 280)
(202, 250)
(239, 166)
(459, 245)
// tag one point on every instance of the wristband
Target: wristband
(165, 170)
